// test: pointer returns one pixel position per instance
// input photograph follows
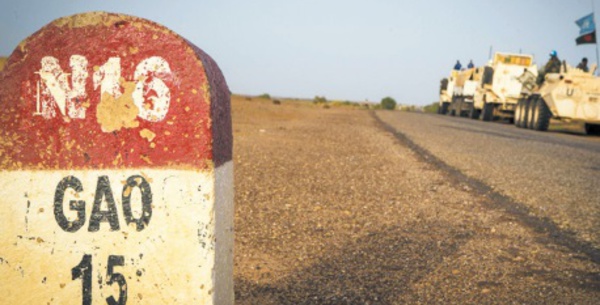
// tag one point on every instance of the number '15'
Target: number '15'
(84, 271)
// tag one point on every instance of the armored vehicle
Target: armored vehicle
(571, 95)
(457, 91)
(499, 91)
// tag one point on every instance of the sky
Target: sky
(341, 49)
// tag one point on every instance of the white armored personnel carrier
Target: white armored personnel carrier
(457, 91)
(500, 89)
(571, 95)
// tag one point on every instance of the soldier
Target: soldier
(470, 65)
(583, 65)
(552, 66)
(457, 66)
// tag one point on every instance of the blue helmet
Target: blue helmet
(553, 53)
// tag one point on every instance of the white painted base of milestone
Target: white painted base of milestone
(184, 255)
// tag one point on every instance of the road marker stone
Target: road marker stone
(116, 173)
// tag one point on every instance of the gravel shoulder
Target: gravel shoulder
(332, 208)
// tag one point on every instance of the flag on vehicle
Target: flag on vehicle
(587, 30)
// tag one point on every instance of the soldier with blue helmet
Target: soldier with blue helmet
(552, 66)
(457, 66)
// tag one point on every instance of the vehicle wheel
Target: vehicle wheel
(518, 113)
(525, 113)
(592, 129)
(531, 113)
(541, 115)
(487, 114)
(474, 113)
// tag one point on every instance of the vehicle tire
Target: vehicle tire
(541, 115)
(474, 113)
(518, 113)
(487, 113)
(592, 129)
(444, 108)
(525, 113)
(531, 113)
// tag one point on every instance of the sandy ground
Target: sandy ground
(332, 208)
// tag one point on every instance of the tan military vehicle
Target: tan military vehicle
(571, 95)
(499, 91)
(457, 91)
(445, 98)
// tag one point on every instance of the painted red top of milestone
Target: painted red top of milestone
(195, 131)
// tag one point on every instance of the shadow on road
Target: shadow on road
(548, 229)
(375, 269)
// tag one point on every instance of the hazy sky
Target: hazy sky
(342, 49)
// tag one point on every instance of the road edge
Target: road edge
(495, 200)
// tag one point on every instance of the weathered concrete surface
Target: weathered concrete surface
(115, 150)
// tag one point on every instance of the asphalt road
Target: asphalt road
(550, 181)
(336, 205)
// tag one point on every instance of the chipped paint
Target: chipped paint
(147, 134)
(178, 70)
(116, 113)
(175, 250)
(152, 96)
(108, 77)
(89, 19)
(118, 183)
(56, 93)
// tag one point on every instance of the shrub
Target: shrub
(265, 95)
(432, 108)
(388, 103)
(319, 100)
